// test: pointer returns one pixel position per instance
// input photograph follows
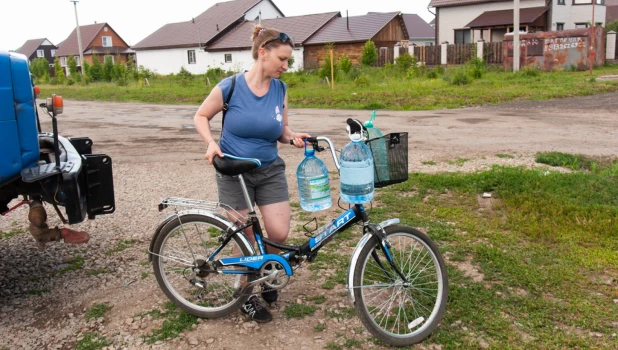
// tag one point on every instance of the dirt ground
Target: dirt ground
(156, 153)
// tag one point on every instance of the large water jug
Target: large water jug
(313, 184)
(378, 149)
(356, 173)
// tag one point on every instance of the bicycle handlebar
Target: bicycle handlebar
(314, 141)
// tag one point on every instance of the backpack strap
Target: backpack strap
(226, 105)
(283, 88)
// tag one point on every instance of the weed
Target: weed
(353, 343)
(320, 327)
(504, 156)
(176, 321)
(96, 311)
(299, 311)
(317, 299)
(429, 162)
(120, 246)
(91, 341)
(459, 161)
(94, 272)
(76, 263)
(5, 235)
(145, 275)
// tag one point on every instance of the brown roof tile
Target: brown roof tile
(447, 3)
(417, 27)
(299, 28)
(361, 28)
(202, 29)
(505, 17)
(88, 32)
(30, 46)
(611, 14)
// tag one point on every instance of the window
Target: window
(191, 56)
(462, 36)
(108, 57)
(77, 60)
(581, 25)
(559, 26)
(63, 61)
(40, 53)
(107, 41)
(228, 58)
(587, 2)
(53, 52)
(561, 2)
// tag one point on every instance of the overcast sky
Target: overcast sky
(133, 20)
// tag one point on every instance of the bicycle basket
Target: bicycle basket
(390, 158)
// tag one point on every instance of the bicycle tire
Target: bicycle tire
(424, 268)
(174, 229)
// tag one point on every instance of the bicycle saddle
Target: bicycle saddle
(231, 165)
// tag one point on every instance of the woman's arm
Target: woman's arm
(288, 134)
(212, 105)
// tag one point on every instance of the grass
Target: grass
(76, 263)
(120, 246)
(91, 341)
(546, 244)
(299, 310)
(9, 234)
(96, 311)
(389, 86)
(176, 321)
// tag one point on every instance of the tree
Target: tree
(612, 26)
(108, 68)
(369, 57)
(39, 67)
(96, 70)
(72, 64)
(58, 71)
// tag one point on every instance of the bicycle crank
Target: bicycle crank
(248, 286)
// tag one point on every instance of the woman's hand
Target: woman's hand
(298, 139)
(213, 150)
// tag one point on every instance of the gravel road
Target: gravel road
(156, 153)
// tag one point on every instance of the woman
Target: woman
(256, 118)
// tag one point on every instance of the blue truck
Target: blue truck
(44, 168)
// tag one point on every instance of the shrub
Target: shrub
(530, 71)
(215, 74)
(325, 68)
(72, 65)
(460, 78)
(96, 70)
(39, 67)
(369, 56)
(476, 67)
(416, 71)
(345, 64)
(291, 62)
(405, 61)
(85, 68)
(432, 74)
(184, 74)
(58, 72)
(108, 68)
(362, 80)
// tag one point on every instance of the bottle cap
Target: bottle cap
(309, 151)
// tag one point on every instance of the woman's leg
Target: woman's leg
(276, 222)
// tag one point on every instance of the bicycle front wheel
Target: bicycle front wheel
(401, 312)
(185, 243)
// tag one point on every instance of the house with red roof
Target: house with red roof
(38, 48)
(99, 40)
(468, 21)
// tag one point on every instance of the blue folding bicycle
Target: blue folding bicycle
(204, 263)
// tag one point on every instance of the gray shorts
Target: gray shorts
(266, 185)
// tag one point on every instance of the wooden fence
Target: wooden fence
(492, 53)
(457, 54)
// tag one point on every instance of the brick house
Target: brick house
(349, 34)
(99, 40)
(467, 21)
(38, 48)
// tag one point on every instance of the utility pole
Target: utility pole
(79, 38)
(516, 52)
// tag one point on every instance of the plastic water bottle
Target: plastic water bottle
(313, 184)
(378, 148)
(356, 173)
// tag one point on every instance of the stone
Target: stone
(193, 341)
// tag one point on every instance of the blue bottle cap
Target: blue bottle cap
(309, 151)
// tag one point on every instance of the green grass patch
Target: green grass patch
(96, 311)
(545, 244)
(91, 341)
(320, 327)
(575, 161)
(382, 88)
(94, 272)
(76, 263)
(429, 162)
(5, 235)
(459, 161)
(176, 321)
(317, 299)
(120, 246)
(505, 156)
(37, 292)
(299, 310)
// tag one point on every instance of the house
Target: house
(98, 39)
(420, 32)
(38, 48)
(184, 44)
(234, 48)
(349, 35)
(467, 21)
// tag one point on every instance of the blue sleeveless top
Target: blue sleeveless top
(252, 124)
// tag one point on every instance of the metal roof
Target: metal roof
(30, 46)
(300, 28)
(353, 29)
(88, 32)
(417, 27)
(505, 17)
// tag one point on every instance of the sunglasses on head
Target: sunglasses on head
(284, 38)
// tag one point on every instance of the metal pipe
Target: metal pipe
(79, 38)
(516, 52)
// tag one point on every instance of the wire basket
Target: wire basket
(390, 158)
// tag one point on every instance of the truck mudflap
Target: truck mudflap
(82, 183)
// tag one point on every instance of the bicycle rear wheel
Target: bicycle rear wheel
(396, 312)
(185, 243)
